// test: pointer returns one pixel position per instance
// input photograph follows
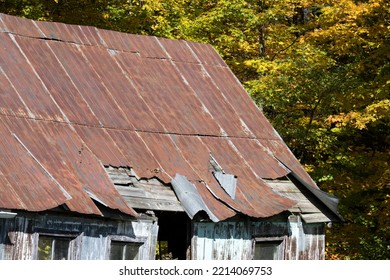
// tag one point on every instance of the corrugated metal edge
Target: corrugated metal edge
(189, 197)
(330, 201)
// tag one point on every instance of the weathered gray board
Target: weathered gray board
(236, 240)
(304, 207)
(148, 194)
(92, 237)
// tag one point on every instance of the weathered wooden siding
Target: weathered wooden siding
(236, 240)
(91, 237)
(306, 241)
(221, 241)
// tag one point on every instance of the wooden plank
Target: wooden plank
(315, 218)
(142, 203)
(142, 193)
(307, 207)
(149, 194)
(289, 190)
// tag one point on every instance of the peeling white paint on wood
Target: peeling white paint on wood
(235, 240)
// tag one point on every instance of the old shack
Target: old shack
(120, 146)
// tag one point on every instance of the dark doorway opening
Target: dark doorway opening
(173, 238)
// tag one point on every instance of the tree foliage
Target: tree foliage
(320, 70)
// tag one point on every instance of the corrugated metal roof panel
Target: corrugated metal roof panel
(196, 152)
(24, 184)
(260, 161)
(249, 186)
(189, 197)
(18, 25)
(285, 156)
(66, 158)
(99, 141)
(206, 54)
(213, 99)
(239, 99)
(168, 156)
(117, 41)
(26, 83)
(173, 103)
(89, 84)
(122, 89)
(55, 31)
(138, 155)
(218, 207)
(56, 80)
(148, 47)
(68, 33)
(10, 101)
(178, 50)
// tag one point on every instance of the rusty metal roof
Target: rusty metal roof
(74, 99)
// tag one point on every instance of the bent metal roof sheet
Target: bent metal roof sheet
(74, 99)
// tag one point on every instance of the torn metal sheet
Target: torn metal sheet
(228, 182)
(189, 197)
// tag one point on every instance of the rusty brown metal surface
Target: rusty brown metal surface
(19, 26)
(263, 164)
(35, 192)
(172, 101)
(29, 89)
(212, 98)
(64, 157)
(78, 98)
(56, 80)
(284, 155)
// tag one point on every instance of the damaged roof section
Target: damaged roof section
(146, 194)
(77, 99)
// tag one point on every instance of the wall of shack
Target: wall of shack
(91, 237)
(235, 240)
